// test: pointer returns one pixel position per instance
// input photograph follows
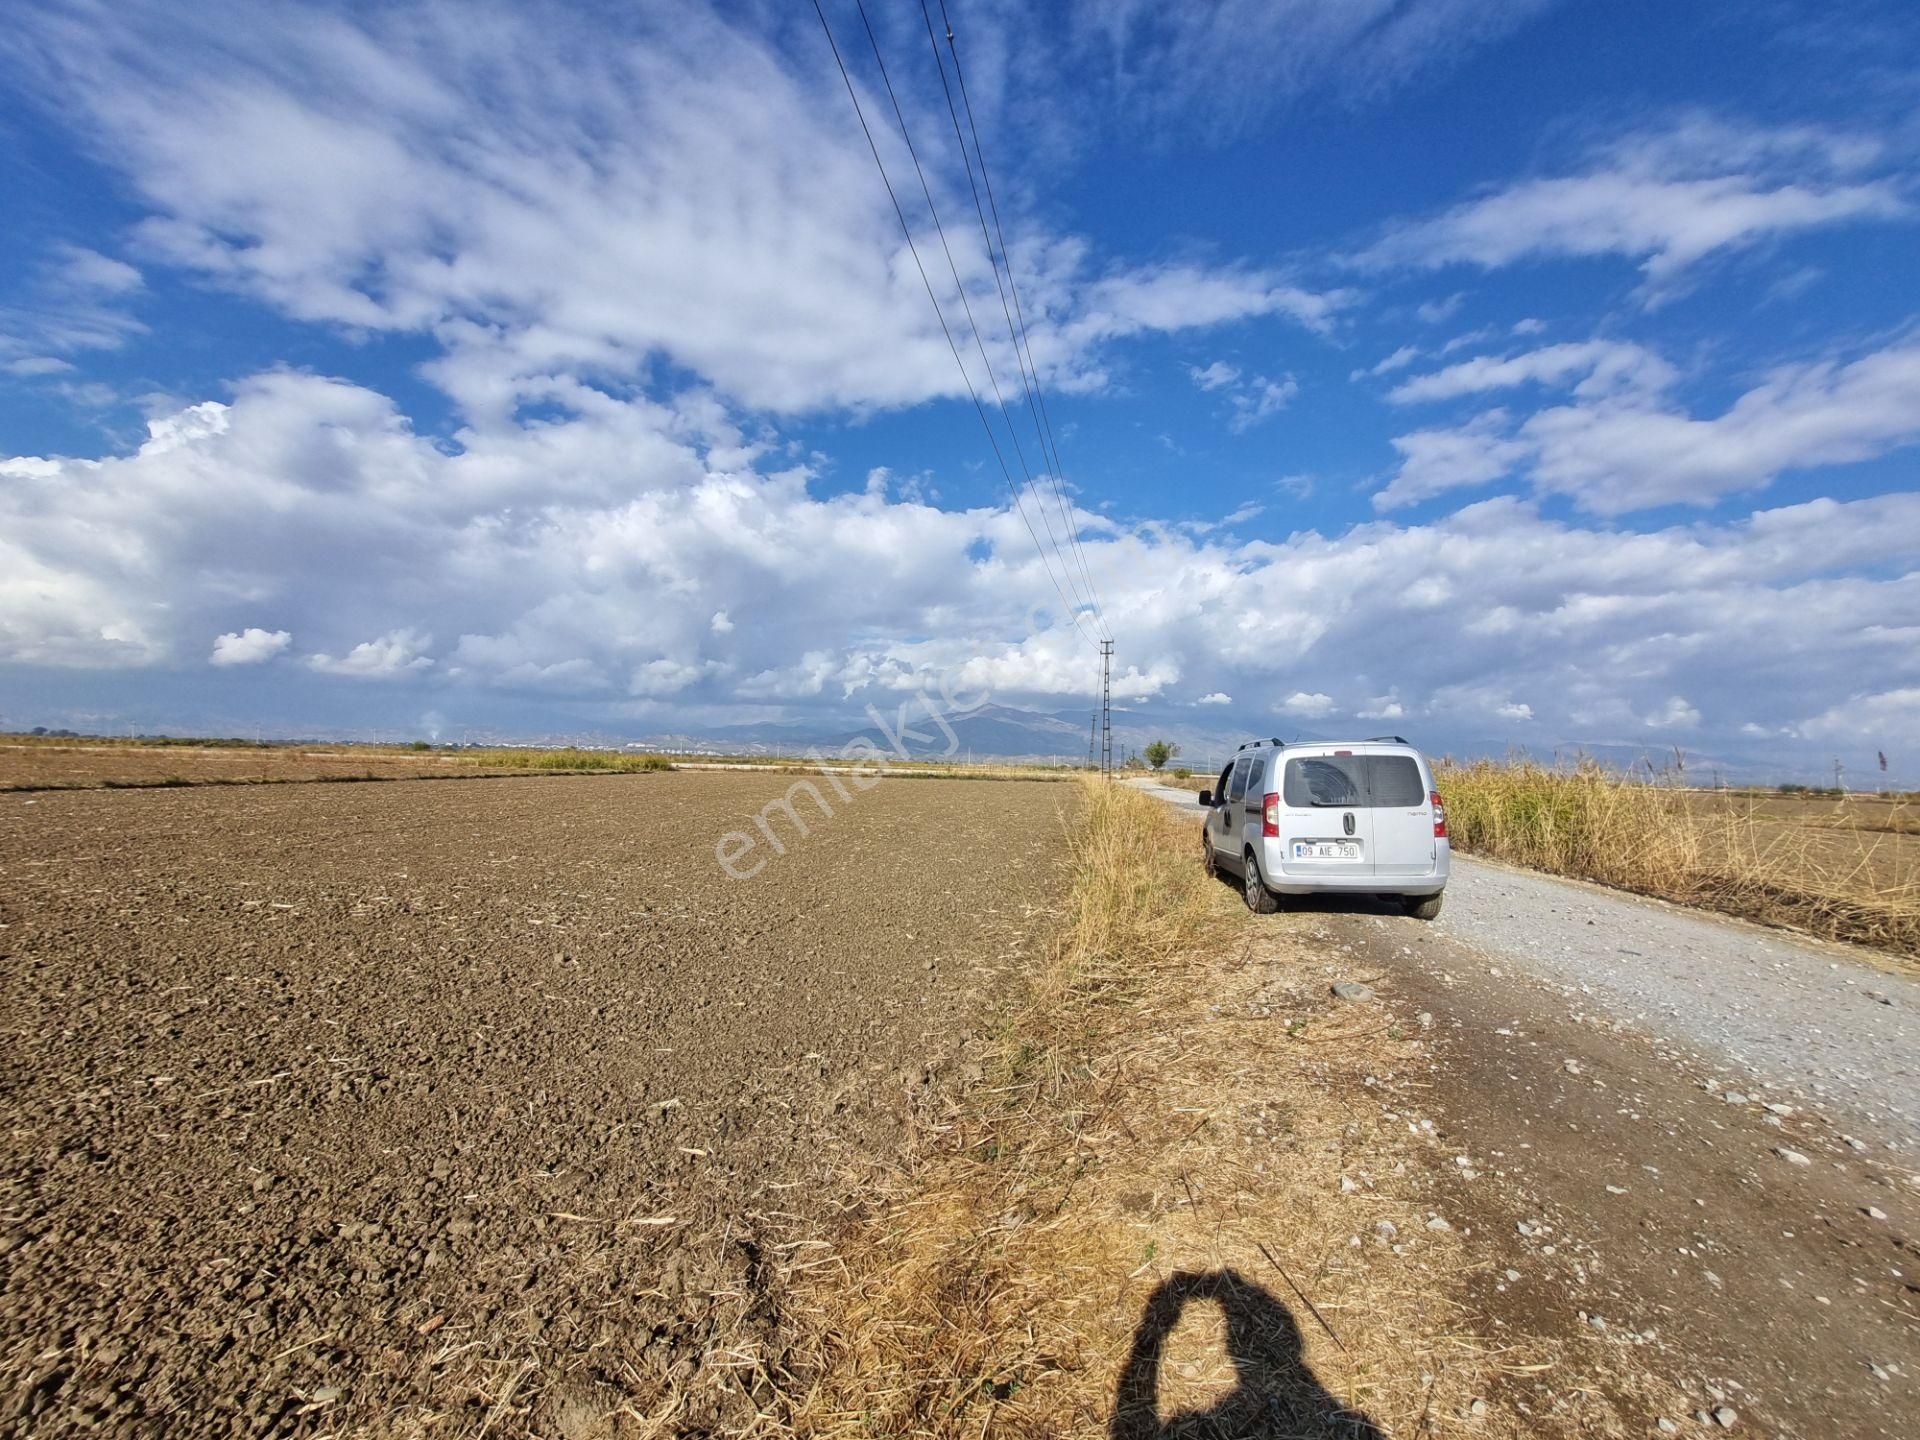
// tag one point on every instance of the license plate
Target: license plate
(1325, 850)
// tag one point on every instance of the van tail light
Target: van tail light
(1439, 816)
(1270, 816)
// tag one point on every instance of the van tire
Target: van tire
(1260, 900)
(1425, 907)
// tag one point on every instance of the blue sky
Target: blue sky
(1503, 373)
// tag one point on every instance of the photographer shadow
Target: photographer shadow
(1276, 1392)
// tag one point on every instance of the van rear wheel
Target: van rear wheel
(1424, 907)
(1260, 900)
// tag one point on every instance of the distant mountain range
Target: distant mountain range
(1008, 732)
(996, 731)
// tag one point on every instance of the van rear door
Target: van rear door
(1326, 825)
(1402, 813)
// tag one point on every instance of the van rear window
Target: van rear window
(1325, 781)
(1355, 782)
(1394, 782)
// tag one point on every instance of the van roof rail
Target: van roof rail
(1386, 740)
(1256, 744)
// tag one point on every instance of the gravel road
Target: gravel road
(1816, 1020)
(1687, 1134)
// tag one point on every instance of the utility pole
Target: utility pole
(1839, 775)
(1093, 739)
(1106, 708)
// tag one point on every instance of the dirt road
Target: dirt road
(1691, 1135)
(428, 1106)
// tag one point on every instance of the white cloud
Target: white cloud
(1666, 199)
(1529, 326)
(1218, 697)
(1250, 398)
(1514, 710)
(585, 560)
(1224, 66)
(248, 647)
(720, 624)
(546, 195)
(72, 301)
(664, 677)
(38, 365)
(89, 271)
(1435, 461)
(1308, 705)
(1605, 366)
(1880, 718)
(1259, 400)
(1383, 707)
(1676, 714)
(1617, 453)
(1398, 360)
(1434, 312)
(387, 657)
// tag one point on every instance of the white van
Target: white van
(1343, 816)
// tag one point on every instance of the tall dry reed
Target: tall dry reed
(1842, 872)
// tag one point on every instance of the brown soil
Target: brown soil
(39, 764)
(462, 1108)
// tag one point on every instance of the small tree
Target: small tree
(1159, 752)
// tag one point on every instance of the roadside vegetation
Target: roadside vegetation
(1844, 867)
(1160, 1114)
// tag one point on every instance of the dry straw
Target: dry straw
(1844, 867)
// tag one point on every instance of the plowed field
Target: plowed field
(405, 1107)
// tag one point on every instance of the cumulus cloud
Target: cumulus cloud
(1514, 710)
(1218, 697)
(248, 647)
(587, 559)
(1451, 458)
(1213, 376)
(1666, 199)
(1880, 718)
(1613, 453)
(1675, 714)
(388, 657)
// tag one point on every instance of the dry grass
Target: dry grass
(571, 759)
(1851, 872)
(1179, 1163)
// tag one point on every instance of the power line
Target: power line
(966, 305)
(1018, 309)
(939, 314)
(1029, 374)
